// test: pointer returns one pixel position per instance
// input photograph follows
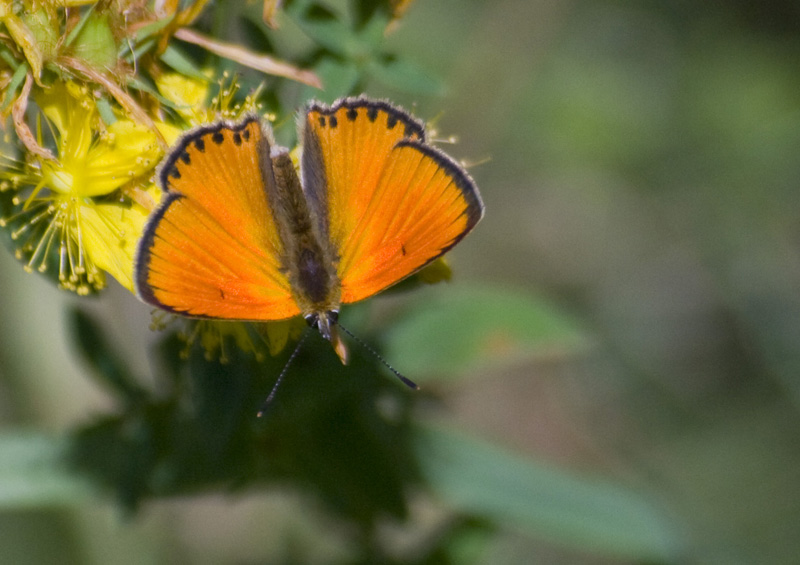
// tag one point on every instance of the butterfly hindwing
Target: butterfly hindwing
(389, 202)
(212, 248)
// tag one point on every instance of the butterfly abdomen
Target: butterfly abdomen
(308, 257)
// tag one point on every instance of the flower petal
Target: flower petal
(110, 235)
(127, 151)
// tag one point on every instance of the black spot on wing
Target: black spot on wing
(352, 114)
(333, 121)
(412, 127)
(197, 137)
(237, 138)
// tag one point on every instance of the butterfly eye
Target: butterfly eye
(333, 316)
(312, 320)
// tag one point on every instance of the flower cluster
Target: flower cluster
(92, 95)
(89, 107)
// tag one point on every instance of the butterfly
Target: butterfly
(238, 235)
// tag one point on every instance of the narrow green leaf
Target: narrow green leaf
(456, 329)
(175, 58)
(80, 25)
(578, 512)
(13, 85)
(32, 473)
(140, 49)
(327, 30)
(140, 83)
(152, 29)
(9, 59)
(106, 111)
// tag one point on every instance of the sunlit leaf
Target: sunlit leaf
(96, 43)
(455, 329)
(584, 513)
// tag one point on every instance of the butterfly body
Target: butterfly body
(239, 235)
(308, 259)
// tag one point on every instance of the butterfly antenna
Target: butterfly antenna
(285, 369)
(408, 382)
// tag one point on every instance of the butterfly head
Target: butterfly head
(326, 324)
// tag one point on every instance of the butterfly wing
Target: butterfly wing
(388, 202)
(211, 248)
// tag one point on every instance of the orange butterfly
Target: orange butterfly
(239, 236)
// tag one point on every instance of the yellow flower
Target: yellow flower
(111, 233)
(188, 96)
(91, 162)
(67, 215)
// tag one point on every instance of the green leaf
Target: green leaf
(373, 31)
(32, 473)
(405, 76)
(338, 78)
(458, 329)
(175, 58)
(13, 85)
(73, 34)
(95, 43)
(141, 83)
(106, 111)
(582, 513)
(326, 29)
(152, 29)
(140, 49)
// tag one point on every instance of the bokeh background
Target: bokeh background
(639, 165)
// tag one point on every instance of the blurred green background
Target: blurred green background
(639, 166)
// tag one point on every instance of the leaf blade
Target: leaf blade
(583, 513)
